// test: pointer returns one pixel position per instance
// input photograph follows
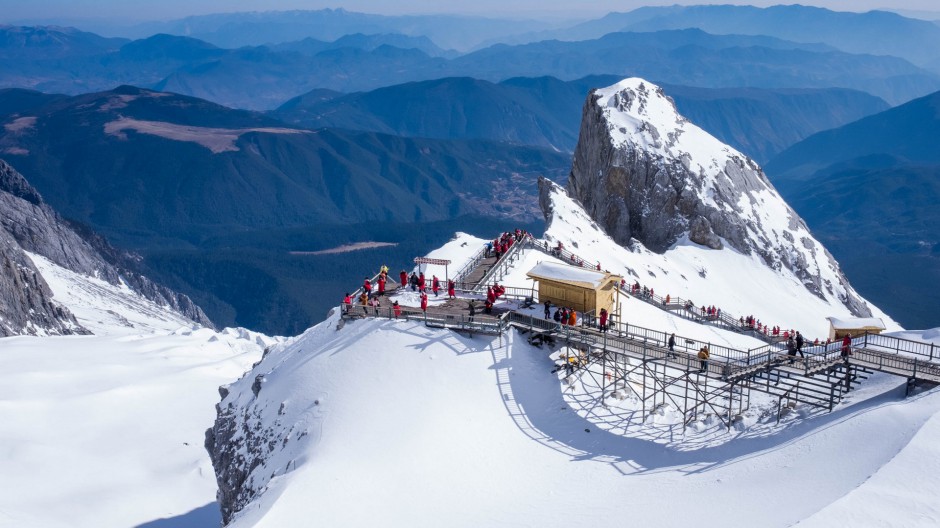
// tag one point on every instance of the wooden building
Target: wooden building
(581, 289)
(856, 326)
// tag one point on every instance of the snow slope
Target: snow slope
(108, 430)
(737, 283)
(395, 424)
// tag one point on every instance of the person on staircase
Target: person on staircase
(364, 301)
(846, 347)
(397, 308)
(603, 320)
(451, 289)
(347, 303)
(473, 310)
(435, 285)
(424, 302)
(381, 285)
(799, 344)
(791, 349)
(413, 281)
(421, 282)
(672, 346)
(548, 309)
(367, 287)
(402, 279)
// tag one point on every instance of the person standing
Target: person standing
(672, 345)
(397, 308)
(435, 285)
(424, 302)
(347, 303)
(403, 279)
(603, 320)
(703, 356)
(548, 309)
(473, 310)
(799, 343)
(381, 285)
(846, 347)
(367, 287)
(451, 289)
(421, 282)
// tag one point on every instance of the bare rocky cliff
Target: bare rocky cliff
(29, 225)
(646, 174)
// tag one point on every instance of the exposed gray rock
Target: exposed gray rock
(644, 173)
(28, 224)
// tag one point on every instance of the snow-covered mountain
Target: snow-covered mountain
(652, 179)
(28, 228)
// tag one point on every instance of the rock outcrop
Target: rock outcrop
(29, 225)
(644, 173)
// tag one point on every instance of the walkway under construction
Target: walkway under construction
(630, 360)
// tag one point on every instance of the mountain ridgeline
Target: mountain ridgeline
(264, 77)
(546, 111)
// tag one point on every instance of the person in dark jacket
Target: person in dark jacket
(548, 309)
(672, 346)
(791, 349)
(799, 344)
(473, 310)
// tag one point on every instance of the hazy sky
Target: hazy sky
(15, 10)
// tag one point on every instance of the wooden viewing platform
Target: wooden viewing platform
(624, 351)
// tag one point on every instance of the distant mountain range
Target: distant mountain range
(181, 167)
(546, 111)
(870, 190)
(870, 33)
(187, 182)
(265, 77)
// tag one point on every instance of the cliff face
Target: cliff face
(646, 174)
(29, 225)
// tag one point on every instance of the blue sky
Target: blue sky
(128, 10)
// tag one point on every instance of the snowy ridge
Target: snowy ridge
(105, 308)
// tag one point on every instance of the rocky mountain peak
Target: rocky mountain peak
(646, 174)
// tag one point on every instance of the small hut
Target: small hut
(581, 289)
(856, 326)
